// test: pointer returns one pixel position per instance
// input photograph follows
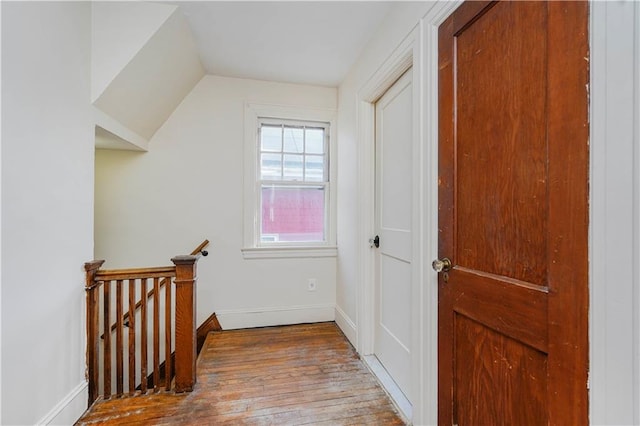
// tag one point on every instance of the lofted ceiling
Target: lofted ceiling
(147, 56)
(305, 42)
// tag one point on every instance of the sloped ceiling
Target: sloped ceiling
(148, 64)
(148, 56)
(306, 42)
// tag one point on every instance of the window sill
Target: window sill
(288, 252)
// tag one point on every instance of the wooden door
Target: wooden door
(394, 144)
(513, 214)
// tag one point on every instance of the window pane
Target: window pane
(314, 168)
(271, 138)
(271, 166)
(293, 214)
(293, 139)
(293, 167)
(314, 141)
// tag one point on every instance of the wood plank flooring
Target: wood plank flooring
(290, 375)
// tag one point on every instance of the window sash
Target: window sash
(280, 156)
(323, 186)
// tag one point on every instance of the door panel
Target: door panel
(498, 362)
(501, 165)
(513, 213)
(395, 294)
(394, 158)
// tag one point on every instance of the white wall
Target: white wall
(119, 31)
(47, 208)
(188, 187)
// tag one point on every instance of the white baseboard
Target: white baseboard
(347, 326)
(265, 317)
(384, 378)
(70, 408)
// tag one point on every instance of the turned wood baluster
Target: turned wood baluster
(186, 353)
(93, 324)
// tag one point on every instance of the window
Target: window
(288, 200)
(294, 179)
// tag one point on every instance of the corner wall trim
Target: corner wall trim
(70, 408)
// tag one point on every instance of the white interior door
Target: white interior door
(394, 133)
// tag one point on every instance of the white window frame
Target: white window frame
(253, 247)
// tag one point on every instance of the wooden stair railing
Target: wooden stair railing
(200, 250)
(178, 306)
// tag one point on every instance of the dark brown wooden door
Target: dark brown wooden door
(513, 214)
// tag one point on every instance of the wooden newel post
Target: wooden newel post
(93, 324)
(185, 361)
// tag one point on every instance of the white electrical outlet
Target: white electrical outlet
(312, 283)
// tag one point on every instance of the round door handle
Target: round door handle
(441, 265)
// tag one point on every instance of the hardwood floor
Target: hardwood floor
(290, 375)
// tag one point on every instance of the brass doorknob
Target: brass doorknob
(441, 265)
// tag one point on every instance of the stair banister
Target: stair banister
(183, 274)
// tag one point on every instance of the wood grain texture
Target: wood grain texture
(486, 360)
(107, 337)
(446, 222)
(292, 375)
(569, 211)
(136, 273)
(167, 338)
(134, 375)
(185, 345)
(491, 302)
(119, 339)
(207, 326)
(513, 213)
(92, 324)
(144, 356)
(132, 336)
(501, 144)
(156, 334)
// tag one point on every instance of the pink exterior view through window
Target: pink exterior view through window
(293, 214)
